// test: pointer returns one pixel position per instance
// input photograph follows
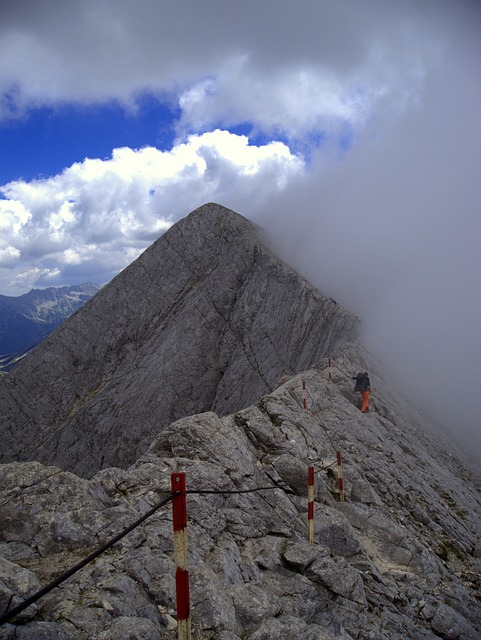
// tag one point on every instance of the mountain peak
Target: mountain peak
(211, 357)
(205, 319)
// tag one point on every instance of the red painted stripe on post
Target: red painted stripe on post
(179, 503)
(310, 476)
(341, 490)
(304, 399)
(179, 520)
(310, 504)
(183, 594)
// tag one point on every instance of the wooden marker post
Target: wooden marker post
(179, 517)
(310, 504)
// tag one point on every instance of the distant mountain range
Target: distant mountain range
(28, 319)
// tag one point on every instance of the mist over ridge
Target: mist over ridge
(393, 232)
(352, 135)
(209, 356)
(348, 134)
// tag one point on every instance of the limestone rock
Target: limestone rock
(375, 571)
(208, 356)
(206, 319)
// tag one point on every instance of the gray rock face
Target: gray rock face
(206, 319)
(399, 558)
(176, 366)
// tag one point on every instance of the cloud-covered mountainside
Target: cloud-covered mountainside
(211, 357)
(350, 131)
(27, 319)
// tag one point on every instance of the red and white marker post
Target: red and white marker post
(304, 397)
(179, 517)
(310, 504)
(339, 477)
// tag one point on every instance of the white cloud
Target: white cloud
(299, 100)
(13, 216)
(289, 70)
(9, 256)
(29, 277)
(98, 212)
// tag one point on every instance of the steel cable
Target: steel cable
(6, 617)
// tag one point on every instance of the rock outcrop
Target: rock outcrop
(399, 558)
(209, 356)
(205, 319)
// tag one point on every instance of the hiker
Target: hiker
(363, 386)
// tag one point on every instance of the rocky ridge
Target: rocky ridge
(399, 558)
(229, 335)
(205, 319)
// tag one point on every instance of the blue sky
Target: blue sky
(47, 139)
(350, 131)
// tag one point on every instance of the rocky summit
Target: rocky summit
(207, 319)
(395, 555)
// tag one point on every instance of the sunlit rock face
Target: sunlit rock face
(206, 319)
